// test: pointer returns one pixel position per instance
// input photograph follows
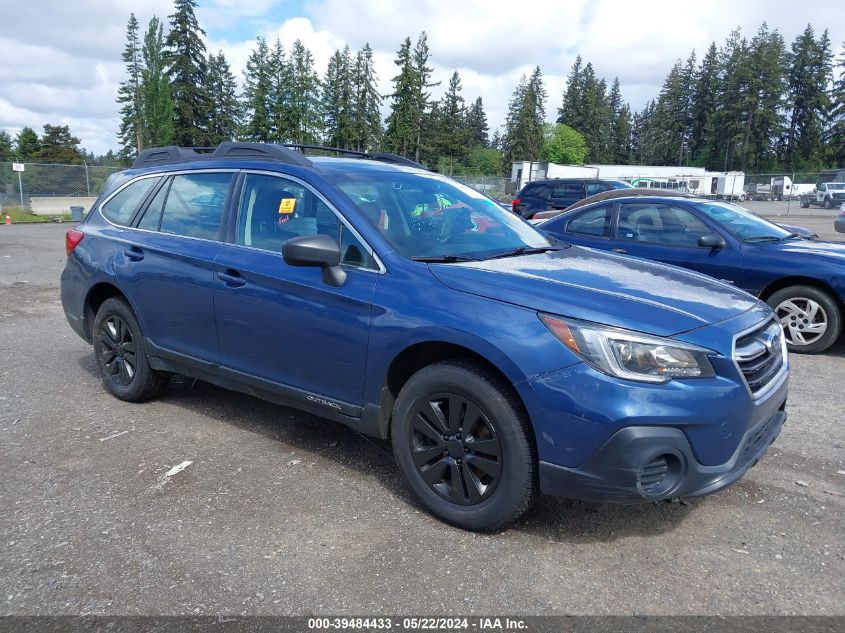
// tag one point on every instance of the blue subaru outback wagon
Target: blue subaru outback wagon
(500, 362)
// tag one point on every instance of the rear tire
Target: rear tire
(121, 357)
(811, 318)
(464, 446)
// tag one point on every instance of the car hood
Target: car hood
(592, 285)
(832, 251)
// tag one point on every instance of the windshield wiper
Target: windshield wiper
(770, 238)
(443, 259)
(524, 250)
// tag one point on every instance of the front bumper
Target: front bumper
(648, 463)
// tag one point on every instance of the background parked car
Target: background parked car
(804, 281)
(542, 216)
(559, 193)
(839, 222)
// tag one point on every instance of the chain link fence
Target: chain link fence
(498, 188)
(40, 180)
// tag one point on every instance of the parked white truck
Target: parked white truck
(826, 194)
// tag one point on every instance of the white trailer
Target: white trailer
(730, 185)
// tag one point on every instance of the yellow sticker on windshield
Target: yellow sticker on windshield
(287, 205)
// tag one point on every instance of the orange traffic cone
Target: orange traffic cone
(8, 219)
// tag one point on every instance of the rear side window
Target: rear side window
(595, 222)
(194, 205)
(122, 206)
(571, 190)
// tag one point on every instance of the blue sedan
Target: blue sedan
(804, 281)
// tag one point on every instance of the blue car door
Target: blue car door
(669, 233)
(167, 263)
(284, 324)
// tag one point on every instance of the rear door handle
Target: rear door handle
(621, 251)
(133, 253)
(231, 278)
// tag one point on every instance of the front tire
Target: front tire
(121, 357)
(463, 445)
(811, 318)
(828, 203)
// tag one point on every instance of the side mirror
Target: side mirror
(712, 241)
(316, 250)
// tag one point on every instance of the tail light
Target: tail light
(72, 240)
(515, 203)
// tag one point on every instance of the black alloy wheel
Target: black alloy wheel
(121, 355)
(455, 448)
(118, 350)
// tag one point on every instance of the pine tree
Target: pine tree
(571, 111)
(810, 71)
(280, 96)
(129, 94)
(225, 109)
(256, 94)
(58, 145)
(476, 125)
(596, 116)
(837, 111)
(451, 137)
(27, 144)
(157, 129)
(422, 75)
(367, 118)
(400, 136)
(524, 125)
(305, 121)
(337, 101)
(6, 151)
(703, 105)
(187, 69)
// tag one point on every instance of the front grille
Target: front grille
(759, 356)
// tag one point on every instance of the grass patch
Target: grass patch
(22, 215)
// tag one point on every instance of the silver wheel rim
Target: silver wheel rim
(804, 321)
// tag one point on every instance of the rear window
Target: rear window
(122, 206)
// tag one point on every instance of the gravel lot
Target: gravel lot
(284, 513)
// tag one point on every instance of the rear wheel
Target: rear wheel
(810, 317)
(119, 350)
(463, 445)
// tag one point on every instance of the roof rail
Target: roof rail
(384, 157)
(173, 154)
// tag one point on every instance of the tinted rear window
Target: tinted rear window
(122, 206)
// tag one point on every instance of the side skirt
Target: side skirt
(162, 359)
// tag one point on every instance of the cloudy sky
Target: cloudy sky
(60, 59)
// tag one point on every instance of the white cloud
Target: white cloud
(61, 59)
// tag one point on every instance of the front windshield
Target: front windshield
(430, 216)
(741, 223)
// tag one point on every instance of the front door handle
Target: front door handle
(231, 278)
(133, 254)
(621, 251)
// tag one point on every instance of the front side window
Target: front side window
(595, 222)
(194, 205)
(660, 224)
(122, 206)
(425, 215)
(274, 210)
(742, 223)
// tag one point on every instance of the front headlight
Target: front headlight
(630, 355)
